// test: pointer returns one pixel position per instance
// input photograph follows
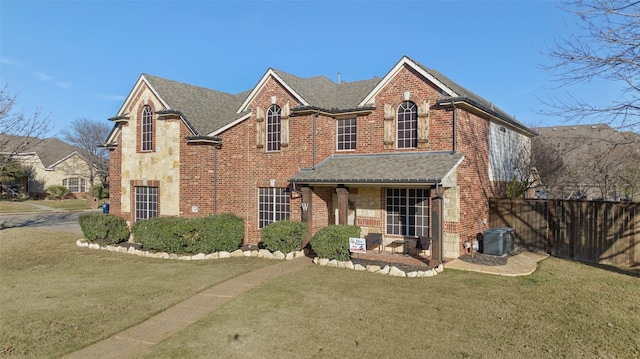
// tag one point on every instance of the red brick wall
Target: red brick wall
(115, 178)
(196, 176)
(473, 173)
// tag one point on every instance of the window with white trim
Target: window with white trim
(407, 125)
(75, 185)
(273, 205)
(273, 128)
(146, 202)
(408, 211)
(146, 129)
(346, 134)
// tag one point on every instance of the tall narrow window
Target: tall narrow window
(273, 128)
(346, 134)
(407, 125)
(146, 202)
(273, 205)
(146, 129)
(408, 211)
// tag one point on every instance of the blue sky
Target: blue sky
(80, 59)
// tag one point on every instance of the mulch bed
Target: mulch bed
(488, 259)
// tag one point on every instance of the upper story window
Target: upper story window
(273, 128)
(346, 131)
(146, 129)
(407, 125)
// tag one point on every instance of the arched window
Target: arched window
(146, 129)
(407, 125)
(273, 128)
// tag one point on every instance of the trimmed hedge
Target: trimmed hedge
(332, 242)
(210, 234)
(103, 229)
(283, 236)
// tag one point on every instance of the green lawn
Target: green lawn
(33, 205)
(564, 310)
(57, 298)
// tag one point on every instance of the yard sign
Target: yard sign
(357, 245)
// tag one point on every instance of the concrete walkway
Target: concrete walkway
(524, 263)
(181, 315)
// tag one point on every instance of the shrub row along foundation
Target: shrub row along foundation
(263, 253)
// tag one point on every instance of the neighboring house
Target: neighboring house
(600, 163)
(407, 155)
(50, 162)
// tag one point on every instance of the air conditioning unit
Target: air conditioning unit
(498, 241)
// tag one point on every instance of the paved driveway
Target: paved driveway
(55, 221)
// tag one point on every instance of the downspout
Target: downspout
(455, 128)
(441, 219)
(315, 117)
(216, 146)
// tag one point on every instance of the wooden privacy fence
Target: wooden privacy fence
(590, 231)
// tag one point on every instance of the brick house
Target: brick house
(406, 155)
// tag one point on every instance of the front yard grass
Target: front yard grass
(25, 206)
(564, 310)
(57, 298)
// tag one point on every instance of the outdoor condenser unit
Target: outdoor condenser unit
(498, 241)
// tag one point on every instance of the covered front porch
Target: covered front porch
(395, 199)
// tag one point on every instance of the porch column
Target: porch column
(436, 231)
(343, 204)
(307, 213)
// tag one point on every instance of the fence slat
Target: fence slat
(591, 231)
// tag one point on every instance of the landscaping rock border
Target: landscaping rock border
(387, 269)
(264, 253)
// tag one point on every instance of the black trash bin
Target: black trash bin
(105, 208)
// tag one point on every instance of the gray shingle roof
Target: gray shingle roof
(205, 110)
(396, 168)
(323, 93)
(209, 110)
(473, 98)
(49, 150)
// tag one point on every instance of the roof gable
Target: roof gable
(51, 151)
(405, 61)
(317, 91)
(205, 110)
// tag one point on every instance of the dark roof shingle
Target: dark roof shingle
(205, 110)
(396, 168)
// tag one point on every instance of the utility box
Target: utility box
(498, 241)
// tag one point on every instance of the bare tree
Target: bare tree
(606, 45)
(548, 164)
(88, 136)
(18, 132)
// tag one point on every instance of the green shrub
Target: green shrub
(100, 192)
(332, 242)
(283, 236)
(57, 192)
(190, 235)
(103, 228)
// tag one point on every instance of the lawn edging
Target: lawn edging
(387, 269)
(264, 253)
(259, 253)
